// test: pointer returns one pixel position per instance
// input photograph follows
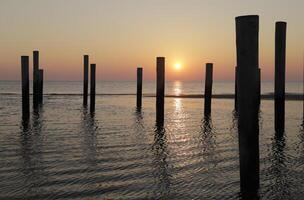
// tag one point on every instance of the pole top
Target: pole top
(247, 17)
(281, 23)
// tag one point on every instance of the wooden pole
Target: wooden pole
(93, 88)
(259, 87)
(25, 88)
(208, 89)
(160, 90)
(40, 86)
(35, 79)
(280, 68)
(139, 88)
(247, 37)
(85, 79)
(235, 89)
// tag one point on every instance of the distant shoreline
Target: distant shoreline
(269, 96)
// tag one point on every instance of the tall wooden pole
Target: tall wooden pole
(259, 88)
(25, 88)
(280, 68)
(35, 79)
(208, 89)
(139, 88)
(160, 90)
(93, 88)
(235, 89)
(85, 79)
(40, 86)
(247, 40)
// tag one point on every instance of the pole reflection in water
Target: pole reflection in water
(208, 142)
(280, 184)
(139, 124)
(90, 127)
(31, 151)
(162, 175)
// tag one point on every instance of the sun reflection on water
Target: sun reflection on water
(177, 88)
(178, 105)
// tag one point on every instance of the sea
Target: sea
(119, 153)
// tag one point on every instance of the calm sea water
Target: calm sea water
(129, 87)
(119, 154)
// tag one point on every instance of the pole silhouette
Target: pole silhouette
(247, 36)
(235, 89)
(25, 88)
(208, 89)
(93, 88)
(259, 88)
(40, 81)
(139, 88)
(35, 79)
(280, 69)
(85, 79)
(160, 90)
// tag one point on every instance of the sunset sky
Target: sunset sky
(120, 35)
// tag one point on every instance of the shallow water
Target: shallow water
(119, 153)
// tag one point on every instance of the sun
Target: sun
(177, 66)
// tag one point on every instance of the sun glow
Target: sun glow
(177, 66)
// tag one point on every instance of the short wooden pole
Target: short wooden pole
(93, 88)
(35, 79)
(40, 86)
(85, 79)
(139, 88)
(25, 88)
(247, 37)
(160, 90)
(208, 88)
(280, 68)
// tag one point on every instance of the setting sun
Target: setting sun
(178, 66)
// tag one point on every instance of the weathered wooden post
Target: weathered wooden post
(35, 79)
(93, 88)
(247, 43)
(139, 88)
(208, 89)
(40, 81)
(85, 79)
(235, 89)
(259, 88)
(25, 88)
(160, 90)
(279, 87)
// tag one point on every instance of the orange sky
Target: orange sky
(121, 35)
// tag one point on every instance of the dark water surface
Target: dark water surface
(119, 153)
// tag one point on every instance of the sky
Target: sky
(121, 35)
